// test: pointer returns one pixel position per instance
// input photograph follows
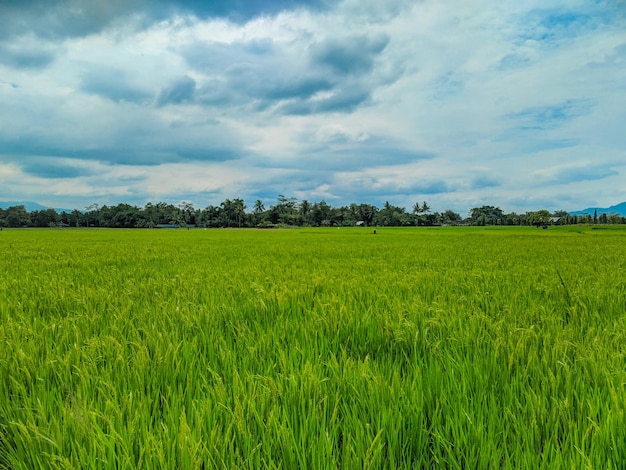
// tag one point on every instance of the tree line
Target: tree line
(288, 211)
(490, 215)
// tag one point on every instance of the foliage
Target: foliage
(287, 212)
(539, 218)
(486, 215)
(457, 347)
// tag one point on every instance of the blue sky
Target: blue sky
(459, 103)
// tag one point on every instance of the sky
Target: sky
(462, 103)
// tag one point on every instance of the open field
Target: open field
(455, 347)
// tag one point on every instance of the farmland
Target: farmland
(458, 347)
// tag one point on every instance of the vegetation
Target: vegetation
(287, 211)
(464, 347)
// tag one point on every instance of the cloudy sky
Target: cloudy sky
(460, 103)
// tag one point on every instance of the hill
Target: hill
(30, 206)
(616, 209)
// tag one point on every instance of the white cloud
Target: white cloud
(455, 102)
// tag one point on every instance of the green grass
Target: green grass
(454, 347)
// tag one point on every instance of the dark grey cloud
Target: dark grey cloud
(29, 56)
(481, 182)
(268, 84)
(56, 19)
(216, 59)
(298, 87)
(348, 156)
(218, 93)
(212, 153)
(348, 56)
(73, 18)
(266, 75)
(342, 100)
(52, 168)
(242, 10)
(181, 91)
(582, 173)
(145, 144)
(148, 155)
(436, 186)
(347, 65)
(427, 187)
(113, 84)
(255, 75)
(367, 155)
(259, 47)
(372, 188)
(344, 153)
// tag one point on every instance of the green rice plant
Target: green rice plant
(459, 347)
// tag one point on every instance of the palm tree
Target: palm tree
(305, 209)
(417, 209)
(239, 208)
(258, 207)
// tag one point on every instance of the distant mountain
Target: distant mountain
(617, 209)
(30, 206)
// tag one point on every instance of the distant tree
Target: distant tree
(239, 207)
(513, 218)
(91, 215)
(321, 214)
(366, 213)
(286, 210)
(17, 216)
(74, 218)
(210, 217)
(104, 216)
(257, 212)
(167, 213)
(486, 215)
(259, 208)
(232, 213)
(344, 216)
(186, 214)
(123, 216)
(228, 215)
(418, 210)
(449, 217)
(393, 216)
(44, 218)
(539, 218)
(305, 213)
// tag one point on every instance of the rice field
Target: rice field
(452, 347)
